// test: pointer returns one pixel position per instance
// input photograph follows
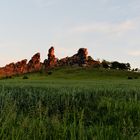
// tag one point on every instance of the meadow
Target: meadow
(71, 104)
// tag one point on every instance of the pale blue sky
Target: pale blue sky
(110, 29)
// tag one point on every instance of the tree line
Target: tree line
(116, 65)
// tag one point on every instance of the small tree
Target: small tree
(121, 66)
(90, 58)
(105, 64)
(115, 65)
(128, 66)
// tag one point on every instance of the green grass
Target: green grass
(71, 104)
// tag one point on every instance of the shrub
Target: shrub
(25, 77)
(130, 78)
(49, 72)
(136, 77)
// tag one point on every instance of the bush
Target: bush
(49, 73)
(130, 78)
(136, 77)
(25, 77)
(6, 77)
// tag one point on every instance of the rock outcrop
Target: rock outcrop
(14, 68)
(34, 64)
(51, 61)
(21, 67)
(9, 69)
(81, 58)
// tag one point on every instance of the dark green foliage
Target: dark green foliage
(135, 77)
(115, 65)
(105, 64)
(130, 78)
(121, 66)
(6, 78)
(49, 72)
(25, 77)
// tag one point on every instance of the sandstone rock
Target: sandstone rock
(64, 61)
(2, 73)
(9, 69)
(14, 68)
(80, 58)
(34, 64)
(52, 61)
(21, 67)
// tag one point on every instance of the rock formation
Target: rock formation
(34, 64)
(81, 58)
(14, 68)
(52, 61)
(21, 67)
(9, 69)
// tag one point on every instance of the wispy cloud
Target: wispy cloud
(134, 53)
(106, 27)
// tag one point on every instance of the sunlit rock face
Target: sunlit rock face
(34, 64)
(9, 69)
(51, 57)
(51, 61)
(14, 68)
(21, 67)
(80, 58)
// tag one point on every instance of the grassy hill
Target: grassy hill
(78, 73)
(75, 76)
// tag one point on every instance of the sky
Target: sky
(109, 29)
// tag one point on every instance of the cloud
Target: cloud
(106, 27)
(134, 53)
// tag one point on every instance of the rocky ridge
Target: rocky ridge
(81, 58)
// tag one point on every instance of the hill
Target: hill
(81, 73)
(75, 76)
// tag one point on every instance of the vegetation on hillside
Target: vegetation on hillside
(75, 73)
(115, 65)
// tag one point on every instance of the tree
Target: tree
(121, 66)
(128, 66)
(105, 64)
(115, 65)
(90, 58)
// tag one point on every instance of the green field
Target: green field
(71, 104)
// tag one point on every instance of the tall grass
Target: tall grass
(69, 113)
